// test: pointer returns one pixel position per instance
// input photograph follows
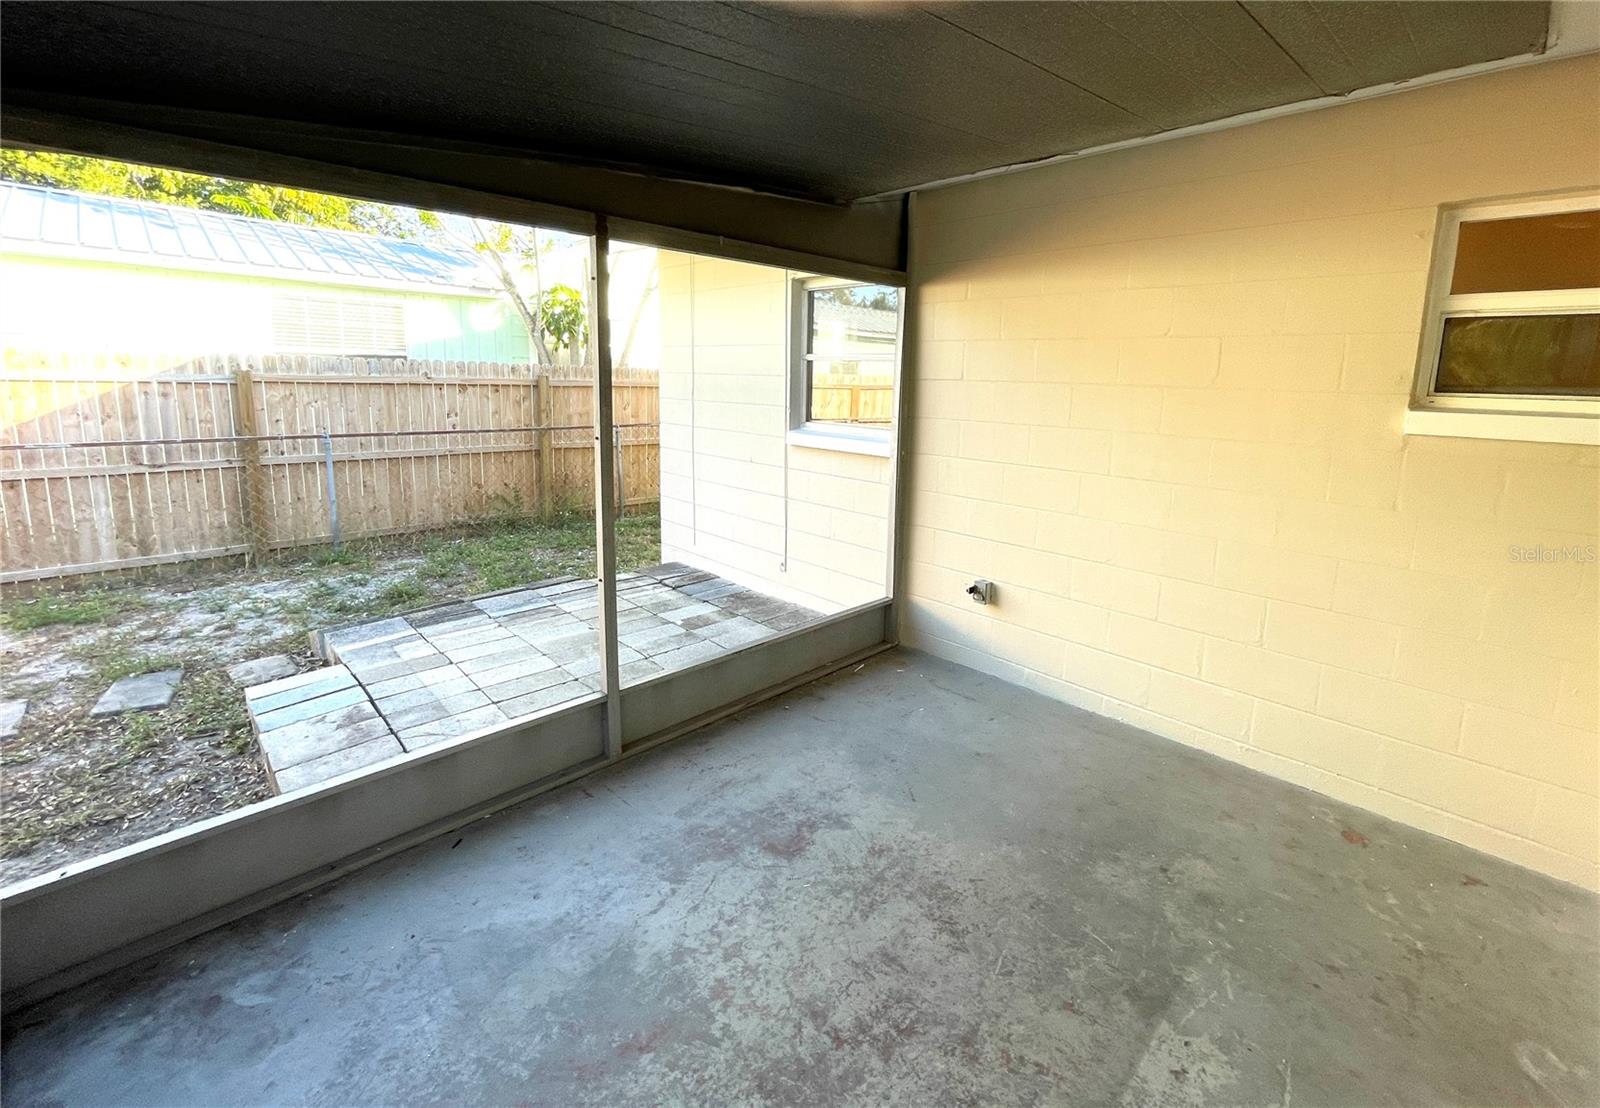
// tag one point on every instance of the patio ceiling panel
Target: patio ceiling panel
(1344, 47)
(1195, 62)
(648, 112)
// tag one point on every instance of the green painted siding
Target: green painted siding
(70, 304)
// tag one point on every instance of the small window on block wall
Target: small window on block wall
(1511, 343)
(845, 344)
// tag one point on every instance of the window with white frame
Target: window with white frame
(1511, 343)
(845, 347)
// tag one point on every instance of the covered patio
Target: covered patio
(910, 884)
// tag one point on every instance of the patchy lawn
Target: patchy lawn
(72, 786)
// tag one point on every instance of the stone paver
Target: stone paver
(313, 708)
(258, 671)
(343, 761)
(140, 692)
(11, 713)
(452, 726)
(317, 725)
(302, 686)
(408, 682)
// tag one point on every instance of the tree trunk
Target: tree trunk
(638, 310)
(508, 285)
(530, 319)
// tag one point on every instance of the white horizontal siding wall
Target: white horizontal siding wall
(803, 524)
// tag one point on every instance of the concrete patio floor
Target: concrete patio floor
(907, 884)
(410, 681)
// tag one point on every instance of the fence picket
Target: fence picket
(418, 444)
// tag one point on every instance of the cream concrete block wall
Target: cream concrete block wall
(1159, 401)
(806, 525)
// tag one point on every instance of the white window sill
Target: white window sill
(846, 440)
(1578, 430)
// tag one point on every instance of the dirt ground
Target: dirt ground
(73, 786)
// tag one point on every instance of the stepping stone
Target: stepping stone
(258, 671)
(11, 713)
(140, 692)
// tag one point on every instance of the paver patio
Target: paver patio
(407, 682)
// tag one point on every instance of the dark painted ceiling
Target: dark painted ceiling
(831, 101)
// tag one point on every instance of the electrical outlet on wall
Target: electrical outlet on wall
(982, 591)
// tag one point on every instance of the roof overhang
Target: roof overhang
(863, 240)
(781, 133)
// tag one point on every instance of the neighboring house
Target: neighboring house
(855, 329)
(81, 272)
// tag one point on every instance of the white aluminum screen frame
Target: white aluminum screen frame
(87, 918)
(1528, 417)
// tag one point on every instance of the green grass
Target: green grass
(520, 552)
(117, 656)
(503, 553)
(210, 704)
(66, 608)
(349, 556)
(142, 732)
(399, 595)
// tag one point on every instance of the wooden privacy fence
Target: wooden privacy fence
(117, 462)
(852, 398)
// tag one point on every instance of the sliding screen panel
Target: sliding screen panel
(754, 428)
(295, 491)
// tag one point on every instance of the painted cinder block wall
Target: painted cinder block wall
(1159, 397)
(803, 524)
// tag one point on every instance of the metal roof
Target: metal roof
(60, 223)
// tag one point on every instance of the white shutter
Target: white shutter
(317, 323)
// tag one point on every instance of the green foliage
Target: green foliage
(400, 595)
(521, 552)
(194, 190)
(880, 297)
(142, 732)
(349, 554)
(208, 703)
(64, 608)
(563, 315)
(118, 656)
